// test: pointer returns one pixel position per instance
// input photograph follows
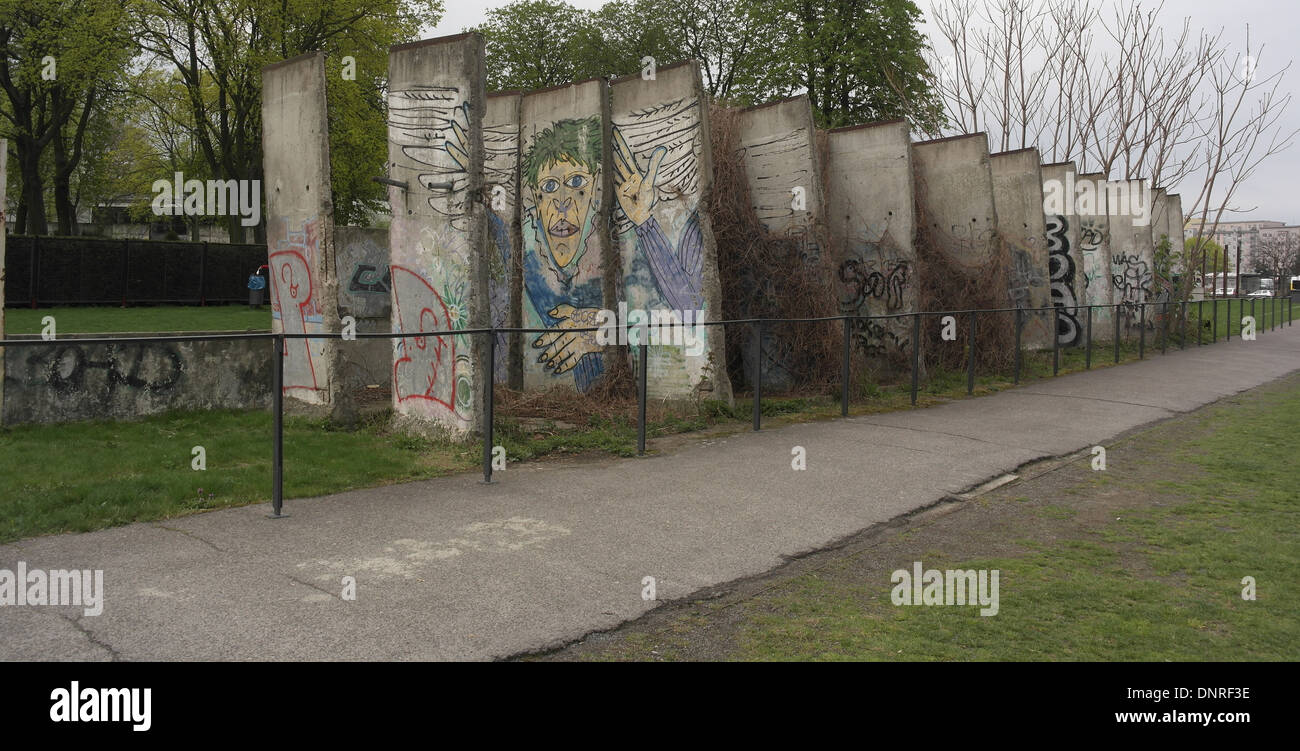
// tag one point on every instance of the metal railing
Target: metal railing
(1270, 308)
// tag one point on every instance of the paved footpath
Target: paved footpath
(452, 569)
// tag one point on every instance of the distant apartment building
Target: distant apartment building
(1250, 234)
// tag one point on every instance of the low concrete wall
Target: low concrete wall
(68, 381)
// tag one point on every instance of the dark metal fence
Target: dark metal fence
(99, 271)
(1267, 312)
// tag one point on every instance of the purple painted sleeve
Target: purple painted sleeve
(677, 275)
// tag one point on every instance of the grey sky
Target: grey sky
(1274, 23)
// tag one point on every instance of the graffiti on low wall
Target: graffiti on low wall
(82, 381)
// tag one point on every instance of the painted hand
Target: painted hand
(457, 143)
(561, 350)
(635, 189)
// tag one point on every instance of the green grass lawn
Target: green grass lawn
(1162, 583)
(99, 320)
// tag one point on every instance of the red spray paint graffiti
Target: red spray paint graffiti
(293, 298)
(427, 368)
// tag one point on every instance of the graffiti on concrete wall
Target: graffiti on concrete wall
(296, 300)
(656, 157)
(874, 282)
(1132, 279)
(1061, 271)
(98, 371)
(429, 277)
(561, 179)
(1023, 277)
(501, 160)
(429, 368)
(367, 278)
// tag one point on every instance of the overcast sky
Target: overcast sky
(1271, 192)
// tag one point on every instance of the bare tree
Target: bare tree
(1278, 255)
(1241, 132)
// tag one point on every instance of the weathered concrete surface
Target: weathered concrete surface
(501, 173)
(4, 159)
(777, 142)
(1018, 198)
(438, 236)
(1131, 256)
(954, 200)
(1174, 228)
(300, 224)
(663, 176)
(70, 381)
(1064, 259)
(1161, 277)
(365, 288)
(452, 569)
(870, 211)
(570, 272)
(1094, 247)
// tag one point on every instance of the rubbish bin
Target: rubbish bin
(256, 289)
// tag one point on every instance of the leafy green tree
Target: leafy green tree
(858, 60)
(219, 47)
(1208, 251)
(533, 44)
(58, 59)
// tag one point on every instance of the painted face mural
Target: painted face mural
(562, 274)
(564, 193)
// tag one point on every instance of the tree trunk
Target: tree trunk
(33, 189)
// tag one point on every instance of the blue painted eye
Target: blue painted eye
(576, 181)
(550, 185)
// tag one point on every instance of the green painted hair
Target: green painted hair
(574, 140)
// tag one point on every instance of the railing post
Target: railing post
(1214, 328)
(642, 370)
(758, 375)
(1142, 329)
(488, 394)
(1087, 357)
(1015, 379)
(1164, 327)
(1114, 313)
(844, 373)
(970, 362)
(916, 354)
(1182, 326)
(1200, 321)
(277, 422)
(1056, 340)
